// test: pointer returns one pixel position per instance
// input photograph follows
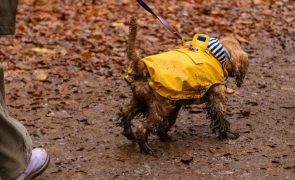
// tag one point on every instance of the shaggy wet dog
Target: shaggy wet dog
(160, 112)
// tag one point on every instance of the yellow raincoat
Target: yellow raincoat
(184, 73)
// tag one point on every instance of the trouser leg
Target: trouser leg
(7, 16)
(15, 142)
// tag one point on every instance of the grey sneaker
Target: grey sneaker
(38, 164)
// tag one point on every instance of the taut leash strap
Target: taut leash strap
(162, 21)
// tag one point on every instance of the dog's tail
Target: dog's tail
(131, 47)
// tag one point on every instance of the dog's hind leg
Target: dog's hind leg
(163, 131)
(216, 112)
(125, 117)
(157, 119)
(144, 129)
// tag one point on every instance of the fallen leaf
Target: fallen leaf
(42, 50)
(87, 54)
(228, 172)
(292, 131)
(102, 13)
(261, 2)
(117, 24)
(287, 88)
(40, 75)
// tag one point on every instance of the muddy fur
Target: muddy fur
(160, 113)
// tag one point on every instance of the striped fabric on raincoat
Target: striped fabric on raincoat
(217, 49)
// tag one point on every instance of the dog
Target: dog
(160, 111)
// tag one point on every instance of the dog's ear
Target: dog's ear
(241, 65)
(239, 58)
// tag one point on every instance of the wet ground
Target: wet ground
(64, 81)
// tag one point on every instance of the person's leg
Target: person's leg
(17, 159)
(15, 142)
(7, 16)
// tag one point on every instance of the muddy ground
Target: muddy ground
(64, 81)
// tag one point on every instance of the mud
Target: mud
(72, 110)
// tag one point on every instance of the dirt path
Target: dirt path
(68, 90)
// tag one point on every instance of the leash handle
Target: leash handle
(162, 21)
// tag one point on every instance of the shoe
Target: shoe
(38, 164)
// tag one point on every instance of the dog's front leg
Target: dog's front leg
(216, 112)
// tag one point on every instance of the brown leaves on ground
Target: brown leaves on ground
(64, 80)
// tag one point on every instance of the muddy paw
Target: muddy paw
(118, 121)
(146, 149)
(129, 135)
(232, 135)
(229, 135)
(165, 138)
